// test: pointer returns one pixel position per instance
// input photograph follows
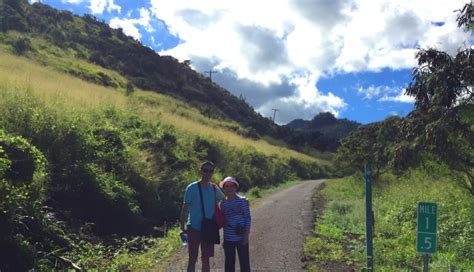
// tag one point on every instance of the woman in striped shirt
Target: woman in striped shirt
(236, 225)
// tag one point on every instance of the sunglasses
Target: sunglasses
(229, 186)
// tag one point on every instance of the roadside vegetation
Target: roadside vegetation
(339, 234)
(426, 157)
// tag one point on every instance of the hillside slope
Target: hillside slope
(51, 36)
(92, 40)
(81, 163)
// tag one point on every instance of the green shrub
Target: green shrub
(21, 45)
(129, 89)
(321, 250)
(255, 192)
(21, 198)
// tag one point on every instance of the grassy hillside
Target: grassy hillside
(69, 43)
(91, 40)
(82, 165)
(80, 95)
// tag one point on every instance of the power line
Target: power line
(210, 73)
(274, 113)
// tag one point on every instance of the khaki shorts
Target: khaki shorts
(194, 237)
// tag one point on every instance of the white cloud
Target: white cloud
(395, 113)
(72, 1)
(385, 93)
(305, 103)
(400, 97)
(274, 51)
(98, 6)
(129, 26)
(376, 91)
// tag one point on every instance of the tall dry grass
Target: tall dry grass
(74, 94)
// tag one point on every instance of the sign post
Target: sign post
(426, 230)
(369, 217)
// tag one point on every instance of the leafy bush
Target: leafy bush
(321, 250)
(255, 192)
(21, 198)
(21, 45)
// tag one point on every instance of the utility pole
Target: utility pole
(274, 113)
(210, 73)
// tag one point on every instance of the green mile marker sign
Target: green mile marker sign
(426, 227)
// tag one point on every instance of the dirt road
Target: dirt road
(280, 223)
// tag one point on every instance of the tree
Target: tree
(357, 149)
(442, 123)
(441, 82)
(465, 16)
(372, 143)
(12, 16)
(441, 127)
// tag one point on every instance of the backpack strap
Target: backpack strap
(215, 192)
(202, 201)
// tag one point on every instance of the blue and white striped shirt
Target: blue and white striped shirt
(236, 212)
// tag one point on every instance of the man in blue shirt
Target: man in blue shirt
(191, 216)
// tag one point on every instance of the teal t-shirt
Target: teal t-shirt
(191, 197)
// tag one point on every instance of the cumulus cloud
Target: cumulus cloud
(385, 94)
(324, 14)
(400, 97)
(98, 6)
(263, 47)
(274, 52)
(372, 91)
(130, 26)
(305, 104)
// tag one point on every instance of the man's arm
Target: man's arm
(219, 193)
(184, 216)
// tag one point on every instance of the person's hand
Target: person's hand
(246, 239)
(181, 234)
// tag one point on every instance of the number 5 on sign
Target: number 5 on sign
(426, 227)
(428, 242)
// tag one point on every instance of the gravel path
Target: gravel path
(280, 223)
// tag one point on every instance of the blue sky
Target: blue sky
(349, 57)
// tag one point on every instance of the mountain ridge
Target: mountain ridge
(331, 129)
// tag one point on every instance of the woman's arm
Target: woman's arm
(248, 220)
